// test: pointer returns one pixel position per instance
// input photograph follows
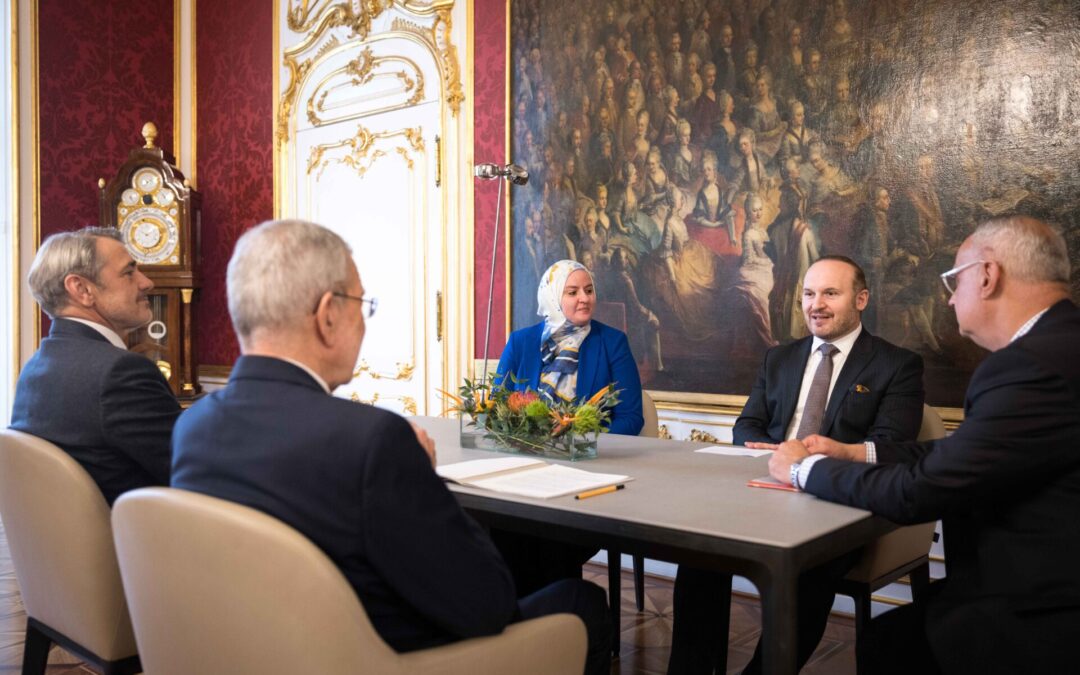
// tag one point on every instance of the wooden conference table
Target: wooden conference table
(685, 507)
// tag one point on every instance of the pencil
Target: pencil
(599, 491)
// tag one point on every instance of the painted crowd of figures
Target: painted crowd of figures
(699, 156)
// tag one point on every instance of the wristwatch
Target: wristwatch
(794, 475)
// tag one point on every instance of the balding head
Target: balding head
(1009, 269)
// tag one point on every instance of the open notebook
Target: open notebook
(526, 477)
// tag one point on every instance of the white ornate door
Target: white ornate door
(366, 99)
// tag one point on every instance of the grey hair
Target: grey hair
(1028, 249)
(62, 254)
(278, 272)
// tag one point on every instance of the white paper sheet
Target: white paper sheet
(553, 480)
(733, 450)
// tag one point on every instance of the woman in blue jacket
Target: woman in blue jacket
(569, 356)
(566, 357)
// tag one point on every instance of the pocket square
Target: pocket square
(861, 389)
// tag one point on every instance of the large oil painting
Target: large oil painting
(698, 156)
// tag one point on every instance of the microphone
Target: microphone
(515, 173)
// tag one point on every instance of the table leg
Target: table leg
(614, 563)
(778, 617)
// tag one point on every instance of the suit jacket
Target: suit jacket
(877, 396)
(354, 480)
(1006, 485)
(604, 358)
(109, 408)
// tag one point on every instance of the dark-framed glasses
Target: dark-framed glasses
(372, 303)
(949, 278)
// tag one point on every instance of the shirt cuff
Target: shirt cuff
(804, 469)
(871, 452)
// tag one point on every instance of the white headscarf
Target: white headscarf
(560, 339)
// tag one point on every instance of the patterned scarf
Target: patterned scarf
(561, 340)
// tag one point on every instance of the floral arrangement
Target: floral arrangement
(523, 421)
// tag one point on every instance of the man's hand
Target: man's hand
(786, 454)
(758, 445)
(820, 445)
(425, 442)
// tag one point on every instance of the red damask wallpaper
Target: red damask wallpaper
(104, 69)
(235, 174)
(489, 119)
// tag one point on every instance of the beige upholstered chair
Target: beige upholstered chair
(219, 588)
(904, 551)
(57, 525)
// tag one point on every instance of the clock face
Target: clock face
(130, 197)
(165, 196)
(151, 235)
(147, 180)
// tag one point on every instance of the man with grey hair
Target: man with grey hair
(1006, 483)
(109, 408)
(355, 479)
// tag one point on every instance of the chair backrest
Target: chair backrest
(932, 427)
(648, 411)
(904, 544)
(57, 525)
(216, 587)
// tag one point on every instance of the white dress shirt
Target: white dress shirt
(844, 346)
(109, 333)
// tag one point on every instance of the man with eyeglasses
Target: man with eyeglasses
(356, 480)
(1006, 483)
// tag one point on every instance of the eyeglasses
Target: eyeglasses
(372, 303)
(949, 278)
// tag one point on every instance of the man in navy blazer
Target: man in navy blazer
(109, 408)
(1005, 484)
(873, 391)
(356, 480)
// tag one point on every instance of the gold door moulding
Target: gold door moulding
(404, 371)
(315, 19)
(408, 403)
(360, 153)
(358, 72)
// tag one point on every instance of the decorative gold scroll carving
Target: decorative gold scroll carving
(404, 371)
(699, 435)
(361, 155)
(664, 433)
(316, 18)
(408, 403)
(361, 71)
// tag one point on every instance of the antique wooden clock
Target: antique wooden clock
(159, 217)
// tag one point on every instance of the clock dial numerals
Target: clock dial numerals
(130, 197)
(151, 236)
(147, 180)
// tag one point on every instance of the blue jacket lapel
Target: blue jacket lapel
(588, 364)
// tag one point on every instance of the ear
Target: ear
(78, 290)
(991, 280)
(327, 319)
(862, 298)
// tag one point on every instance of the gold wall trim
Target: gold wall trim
(279, 159)
(404, 372)
(13, 206)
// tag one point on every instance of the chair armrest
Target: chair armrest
(550, 644)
